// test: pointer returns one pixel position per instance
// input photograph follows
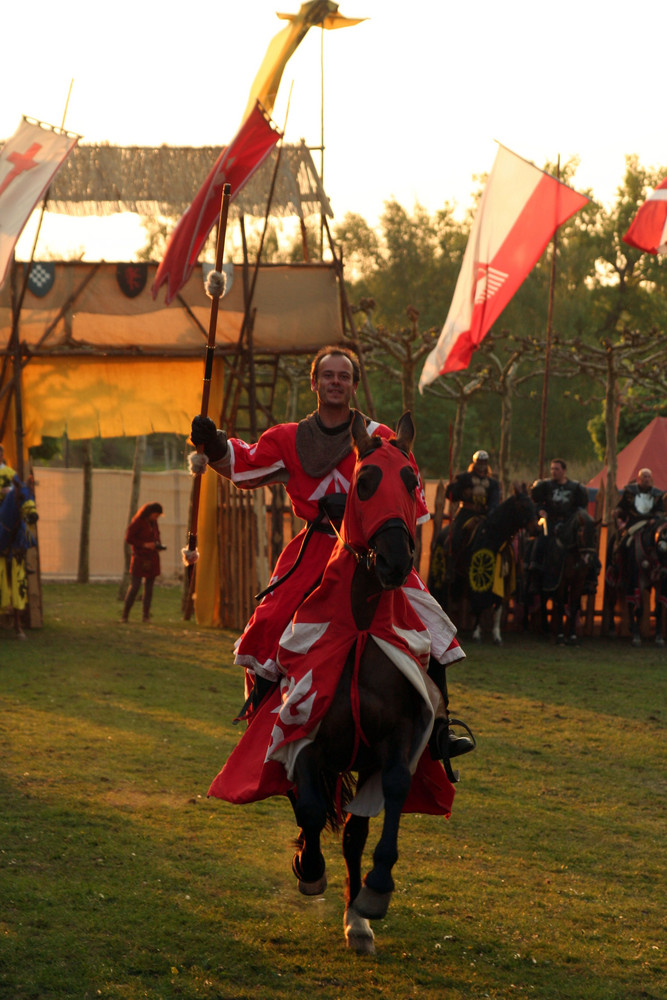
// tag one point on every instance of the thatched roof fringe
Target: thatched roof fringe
(106, 180)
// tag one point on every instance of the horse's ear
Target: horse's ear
(405, 432)
(360, 436)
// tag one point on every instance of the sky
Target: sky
(415, 97)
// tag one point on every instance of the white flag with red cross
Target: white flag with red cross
(520, 210)
(28, 163)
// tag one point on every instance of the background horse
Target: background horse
(18, 515)
(570, 554)
(639, 567)
(483, 570)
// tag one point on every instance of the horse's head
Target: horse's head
(525, 509)
(381, 510)
(581, 530)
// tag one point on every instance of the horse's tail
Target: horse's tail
(338, 791)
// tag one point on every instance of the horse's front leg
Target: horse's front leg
(659, 638)
(572, 619)
(495, 630)
(357, 929)
(311, 814)
(375, 895)
(18, 627)
(636, 615)
(557, 613)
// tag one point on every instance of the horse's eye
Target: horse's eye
(368, 481)
(409, 477)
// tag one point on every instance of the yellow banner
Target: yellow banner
(318, 12)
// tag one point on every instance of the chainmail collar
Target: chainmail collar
(320, 449)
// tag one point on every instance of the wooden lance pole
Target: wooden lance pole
(190, 554)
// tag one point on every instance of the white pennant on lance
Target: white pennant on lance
(520, 210)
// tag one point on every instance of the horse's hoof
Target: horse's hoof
(314, 888)
(371, 904)
(659, 641)
(497, 641)
(636, 640)
(358, 932)
(572, 641)
(560, 640)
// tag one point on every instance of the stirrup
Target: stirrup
(463, 725)
(443, 751)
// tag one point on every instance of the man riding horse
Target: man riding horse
(638, 503)
(634, 556)
(477, 493)
(314, 460)
(558, 500)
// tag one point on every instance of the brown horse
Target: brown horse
(378, 721)
(569, 559)
(639, 566)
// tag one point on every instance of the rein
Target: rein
(367, 557)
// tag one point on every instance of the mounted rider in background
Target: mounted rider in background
(558, 500)
(638, 503)
(477, 493)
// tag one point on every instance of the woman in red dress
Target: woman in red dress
(144, 537)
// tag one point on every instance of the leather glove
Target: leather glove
(205, 433)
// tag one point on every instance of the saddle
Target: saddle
(470, 529)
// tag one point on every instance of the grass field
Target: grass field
(119, 879)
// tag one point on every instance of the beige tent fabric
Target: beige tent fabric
(297, 310)
(59, 498)
(59, 495)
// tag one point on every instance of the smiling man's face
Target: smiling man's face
(334, 383)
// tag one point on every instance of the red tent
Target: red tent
(647, 451)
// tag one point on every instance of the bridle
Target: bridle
(368, 557)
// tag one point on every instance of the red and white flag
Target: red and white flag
(28, 163)
(236, 164)
(520, 210)
(648, 230)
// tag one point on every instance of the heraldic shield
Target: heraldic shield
(132, 278)
(41, 278)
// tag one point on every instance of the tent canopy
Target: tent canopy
(647, 450)
(97, 361)
(85, 310)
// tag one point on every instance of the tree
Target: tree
(407, 346)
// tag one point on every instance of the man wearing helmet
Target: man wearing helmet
(476, 491)
(638, 503)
